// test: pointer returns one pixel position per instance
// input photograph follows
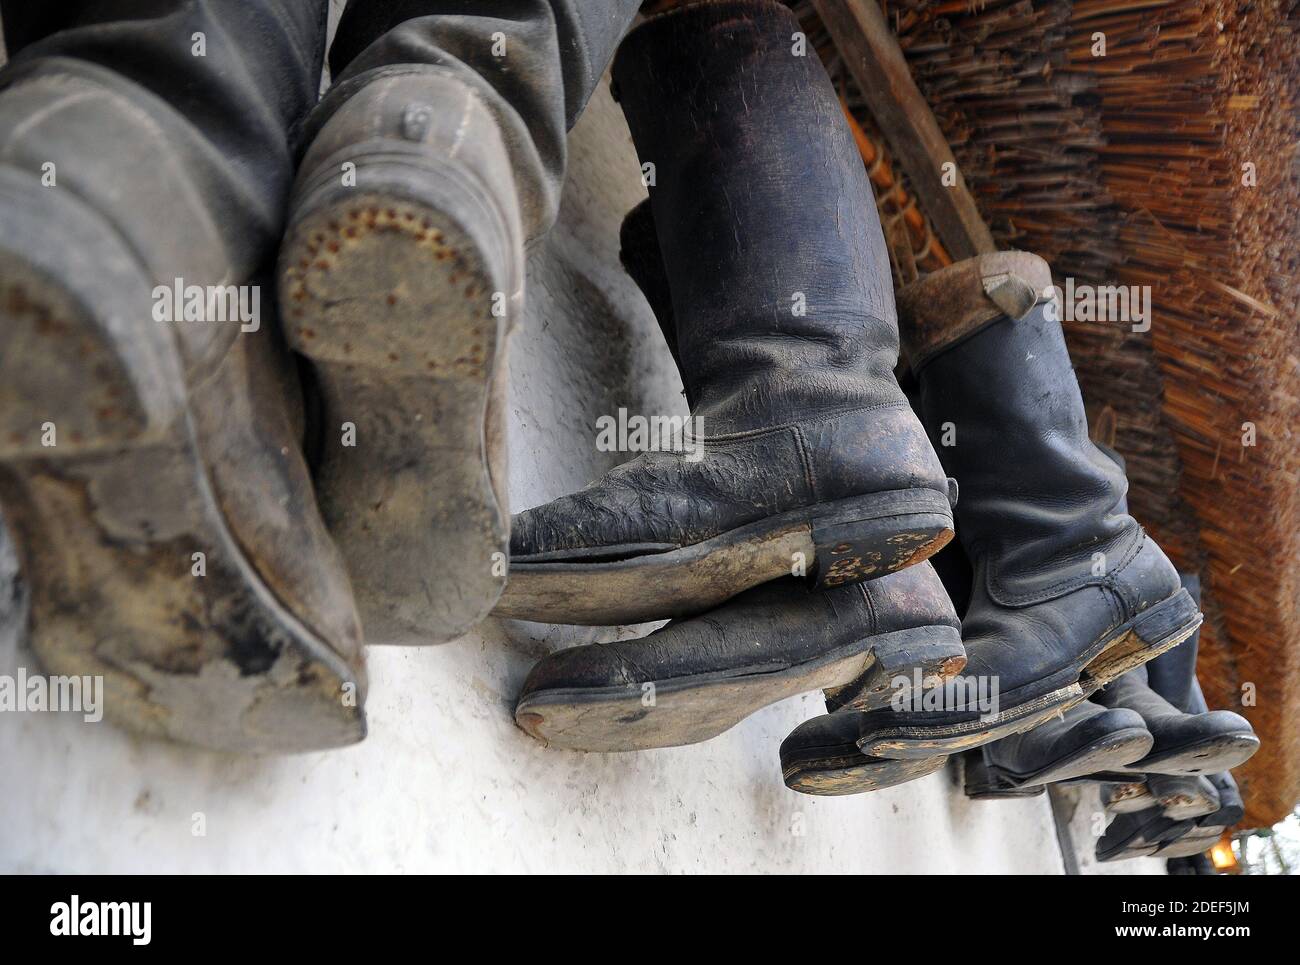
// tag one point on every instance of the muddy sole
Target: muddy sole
(842, 770)
(398, 300)
(847, 541)
(1150, 634)
(109, 502)
(674, 712)
(1134, 797)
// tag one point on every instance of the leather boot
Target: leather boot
(1173, 674)
(431, 161)
(1126, 797)
(1196, 840)
(821, 755)
(1182, 796)
(1069, 592)
(1139, 834)
(150, 462)
(1184, 743)
(400, 285)
(980, 784)
(1210, 828)
(1083, 740)
(785, 329)
(697, 677)
(1231, 808)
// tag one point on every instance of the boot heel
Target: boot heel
(870, 536)
(83, 366)
(1160, 628)
(935, 653)
(400, 292)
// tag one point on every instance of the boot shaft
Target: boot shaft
(1042, 509)
(1173, 674)
(780, 280)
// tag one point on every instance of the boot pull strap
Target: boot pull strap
(1011, 293)
(952, 304)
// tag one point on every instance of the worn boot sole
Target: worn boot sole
(1182, 797)
(1157, 629)
(109, 517)
(835, 543)
(1128, 798)
(390, 292)
(673, 712)
(1116, 748)
(843, 769)
(1210, 756)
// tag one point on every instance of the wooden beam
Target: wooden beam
(877, 64)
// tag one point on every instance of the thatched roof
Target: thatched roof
(1127, 169)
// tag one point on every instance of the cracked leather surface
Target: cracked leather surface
(732, 124)
(1080, 726)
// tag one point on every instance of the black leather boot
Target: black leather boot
(1126, 797)
(150, 419)
(1173, 674)
(436, 154)
(821, 755)
(697, 677)
(785, 328)
(1210, 828)
(1231, 809)
(1203, 743)
(1183, 796)
(1069, 592)
(1085, 739)
(1139, 834)
(980, 784)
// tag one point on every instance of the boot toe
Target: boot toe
(594, 666)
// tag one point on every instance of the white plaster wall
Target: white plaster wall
(445, 782)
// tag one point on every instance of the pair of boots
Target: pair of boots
(1178, 823)
(772, 284)
(160, 461)
(1153, 721)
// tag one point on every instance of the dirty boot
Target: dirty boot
(1182, 796)
(1126, 797)
(436, 155)
(1139, 834)
(1203, 743)
(821, 755)
(150, 425)
(1083, 740)
(980, 784)
(1210, 828)
(1231, 809)
(1069, 592)
(697, 677)
(784, 323)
